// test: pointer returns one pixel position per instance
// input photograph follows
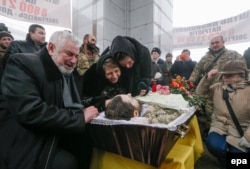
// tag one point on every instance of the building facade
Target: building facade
(148, 21)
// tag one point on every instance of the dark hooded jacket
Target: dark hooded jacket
(96, 88)
(139, 76)
(33, 119)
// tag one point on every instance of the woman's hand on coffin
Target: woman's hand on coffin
(90, 113)
(143, 88)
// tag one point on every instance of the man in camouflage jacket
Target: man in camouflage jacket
(89, 54)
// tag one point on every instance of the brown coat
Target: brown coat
(222, 122)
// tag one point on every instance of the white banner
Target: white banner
(49, 12)
(235, 29)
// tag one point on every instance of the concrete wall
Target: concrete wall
(148, 21)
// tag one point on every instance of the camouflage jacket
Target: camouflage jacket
(157, 114)
(202, 66)
(84, 62)
(222, 122)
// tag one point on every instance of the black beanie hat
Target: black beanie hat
(6, 34)
(155, 49)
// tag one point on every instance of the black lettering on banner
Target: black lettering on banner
(5, 10)
(238, 37)
(205, 31)
(54, 1)
(226, 21)
(238, 161)
(37, 18)
(31, 1)
(244, 16)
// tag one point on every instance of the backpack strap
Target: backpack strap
(232, 114)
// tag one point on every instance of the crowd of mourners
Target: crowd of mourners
(50, 90)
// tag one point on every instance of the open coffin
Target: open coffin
(147, 143)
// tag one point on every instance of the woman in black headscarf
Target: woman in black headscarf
(135, 62)
(100, 82)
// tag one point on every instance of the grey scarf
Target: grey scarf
(67, 97)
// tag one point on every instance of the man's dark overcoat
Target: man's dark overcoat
(35, 121)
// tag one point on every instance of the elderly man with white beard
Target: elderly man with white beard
(44, 126)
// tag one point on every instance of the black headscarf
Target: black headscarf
(139, 76)
(123, 45)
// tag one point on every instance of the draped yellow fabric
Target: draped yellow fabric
(183, 155)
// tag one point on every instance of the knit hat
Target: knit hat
(155, 49)
(6, 34)
(234, 67)
(4, 31)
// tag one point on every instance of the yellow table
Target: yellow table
(183, 155)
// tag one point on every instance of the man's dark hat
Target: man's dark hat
(155, 49)
(6, 34)
(4, 31)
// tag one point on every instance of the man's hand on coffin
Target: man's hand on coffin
(90, 113)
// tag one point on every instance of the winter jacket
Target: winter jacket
(36, 119)
(222, 122)
(165, 80)
(183, 68)
(139, 76)
(22, 46)
(84, 63)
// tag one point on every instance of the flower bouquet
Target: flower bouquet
(186, 88)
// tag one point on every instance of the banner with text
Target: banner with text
(49, 12)
(235, 29)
